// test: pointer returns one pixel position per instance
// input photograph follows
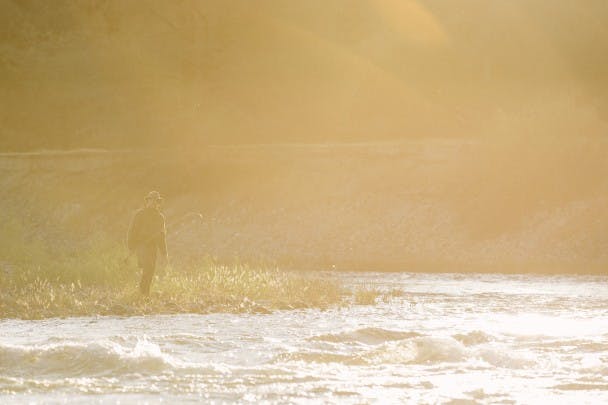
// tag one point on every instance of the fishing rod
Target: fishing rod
(171, 229)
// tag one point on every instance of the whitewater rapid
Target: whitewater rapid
(437, 338)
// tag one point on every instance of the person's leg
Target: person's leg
(147, 274)
(146, 256)
(147, 264)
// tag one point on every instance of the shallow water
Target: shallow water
(450, 338)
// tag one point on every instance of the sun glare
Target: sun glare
(304, 201)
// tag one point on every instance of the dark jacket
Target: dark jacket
(147, 232)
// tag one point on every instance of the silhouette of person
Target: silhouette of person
(147, 238)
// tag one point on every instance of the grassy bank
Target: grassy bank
(43, 276)
(207, 288)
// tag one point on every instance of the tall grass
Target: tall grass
(209, 288)
(43, 278)
(366, 295)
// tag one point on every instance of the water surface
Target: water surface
(449, 338)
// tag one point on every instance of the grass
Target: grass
(50, 277)
(366, 295)
(370, 294)
(209, 288)
(395, 293)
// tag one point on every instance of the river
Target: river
(448, 338)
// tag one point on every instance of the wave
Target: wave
(76, 359)
(417, 350)
(498, 357)
(475, 337)
(365, 335)
(412, 348)
(421, 350)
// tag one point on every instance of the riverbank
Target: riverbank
(207, 288)
(517, 205)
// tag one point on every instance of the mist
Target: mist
(109, 74)
(294, 201)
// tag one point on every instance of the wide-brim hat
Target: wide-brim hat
(153, 196)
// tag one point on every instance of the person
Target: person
(147, 237)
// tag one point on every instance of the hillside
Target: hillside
(439, 205)
(130, 73)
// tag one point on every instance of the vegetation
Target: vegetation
(366, 295)
(41, 279)
(184, 48)
(33, 294)
(208, 288)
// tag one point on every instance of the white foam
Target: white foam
(75, 358)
